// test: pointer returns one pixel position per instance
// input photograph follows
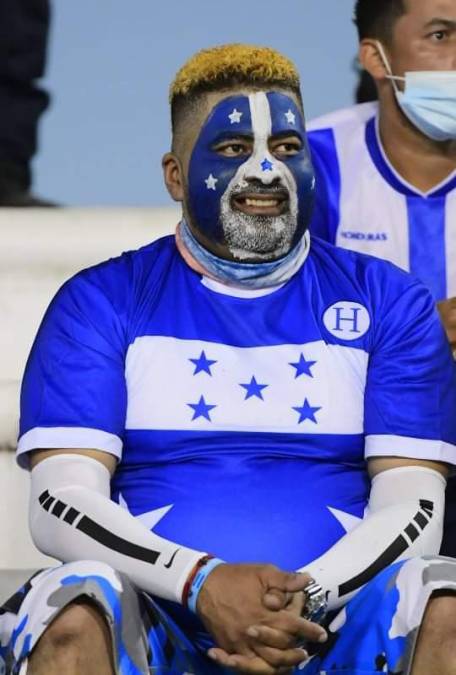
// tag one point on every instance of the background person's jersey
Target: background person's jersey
(243, 421)
(364, 205)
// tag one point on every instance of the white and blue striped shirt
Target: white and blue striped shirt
(364, 205)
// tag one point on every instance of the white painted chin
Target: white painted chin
(261, 238)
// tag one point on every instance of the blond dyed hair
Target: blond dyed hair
(228, 65)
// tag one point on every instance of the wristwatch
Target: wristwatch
(316, 603)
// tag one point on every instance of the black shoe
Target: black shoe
(15, 180)
(22, 199)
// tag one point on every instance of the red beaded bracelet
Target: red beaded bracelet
(191, 577)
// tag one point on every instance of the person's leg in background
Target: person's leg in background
(448, 547)
(24, 27)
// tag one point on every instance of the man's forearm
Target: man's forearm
(405, 520)
(72, 518)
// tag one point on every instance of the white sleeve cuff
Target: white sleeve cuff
(414, 448)
(67, 437)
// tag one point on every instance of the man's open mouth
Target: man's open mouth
(261, 203)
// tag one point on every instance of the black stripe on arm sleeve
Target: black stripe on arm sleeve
(390, 554)
(427, 506)
(48, 503)
(43, 496)
(115, 543)
(58, 508)
(412, 532)
(97, 532)
(421, 520)
(70, 515)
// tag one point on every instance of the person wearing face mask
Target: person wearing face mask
(209, 415)
(386, 171)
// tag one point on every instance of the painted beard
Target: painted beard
(256, 237)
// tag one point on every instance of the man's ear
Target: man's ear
(172, 173)
(371, 59)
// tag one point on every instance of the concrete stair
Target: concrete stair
(39, 250)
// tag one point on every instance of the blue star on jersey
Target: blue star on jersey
(203, 364)
(201, 409)
(307, 412)
(254, 389)
(303, 367)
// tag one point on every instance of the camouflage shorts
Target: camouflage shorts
(375, 632)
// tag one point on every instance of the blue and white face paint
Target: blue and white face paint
(215, 181)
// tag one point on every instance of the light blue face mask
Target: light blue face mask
(428, 100)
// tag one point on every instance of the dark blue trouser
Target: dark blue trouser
(449, 532)
(24, 28)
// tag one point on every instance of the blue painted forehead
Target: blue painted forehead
(286, 115)
(232, 116)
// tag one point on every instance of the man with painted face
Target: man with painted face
(218, 408)
(257, 208)
(386, 171)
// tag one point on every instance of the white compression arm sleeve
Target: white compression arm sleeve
(404, 519)
(72, 518)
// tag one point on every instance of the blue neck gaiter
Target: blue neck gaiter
(247, 275)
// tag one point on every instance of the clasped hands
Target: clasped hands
(253, 612)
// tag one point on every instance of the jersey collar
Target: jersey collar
(391, 176)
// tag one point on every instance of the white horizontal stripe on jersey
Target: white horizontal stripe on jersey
(414, 448)
(67, 437)
(164, 386)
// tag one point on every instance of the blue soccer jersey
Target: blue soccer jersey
(242, 420)
(363, 204)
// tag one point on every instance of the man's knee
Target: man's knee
(77, 641)
(80, 623)
(439, 625)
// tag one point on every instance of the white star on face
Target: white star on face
(211, 182)
(291, 117)
(235, 116)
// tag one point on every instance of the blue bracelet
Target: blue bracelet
(199, 580)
